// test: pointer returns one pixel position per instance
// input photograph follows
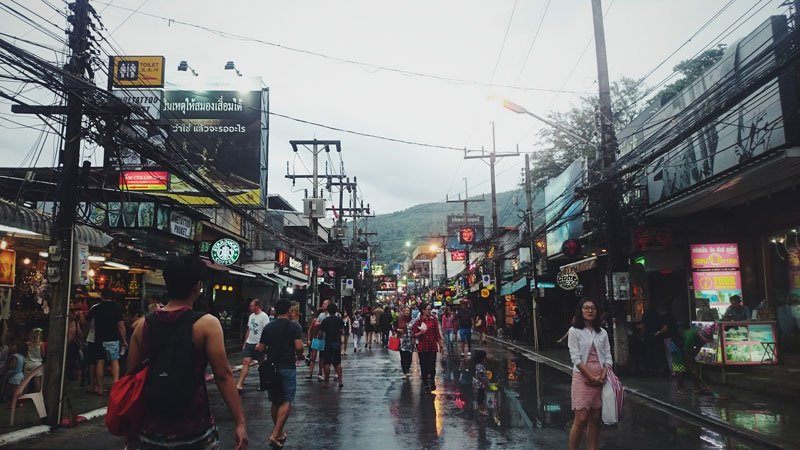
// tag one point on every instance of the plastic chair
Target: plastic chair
(36, 397)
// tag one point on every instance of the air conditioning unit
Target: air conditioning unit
(314, 207)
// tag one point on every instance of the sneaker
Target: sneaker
(320, 378)
(469, 353)
(462, 355)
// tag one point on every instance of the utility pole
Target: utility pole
(495, 261)
(60, 264)
(314, 206)
(531, 249)
(466, 202)
(607, 196)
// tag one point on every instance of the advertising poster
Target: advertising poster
(717, 287)
(144, 181)
(221, 126)
(714, 256)
(8, 261)
(562, 208)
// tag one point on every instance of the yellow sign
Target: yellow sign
(137, 71)
(484, 293)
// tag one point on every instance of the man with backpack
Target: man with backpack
(179, 343)
(282, 340)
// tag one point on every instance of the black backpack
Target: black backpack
(172, 378)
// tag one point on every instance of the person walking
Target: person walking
(370, 326)
(491, 324)
(386, 322)
(449, 330)
(332, 327)
(403, 331)
(590, 353)
(429, 341)
(480, 328)
(282, 341)
(345, 331)
(377, 314)
(683, 349)
(465, 321)
(255, 324)
(109, 330)
(194, 428)
(357, 328)
(314, 331)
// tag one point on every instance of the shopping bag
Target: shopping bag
(394, 343)
(268, 376)
(126, 406)
(613, 399)
(318, 344)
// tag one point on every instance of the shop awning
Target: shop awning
(582, 265)
(241, 274)
(510, 288)
(213, 266)
(31, 222)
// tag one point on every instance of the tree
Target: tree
(562, 149)
(691, 69)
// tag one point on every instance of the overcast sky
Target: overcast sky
(340, 85)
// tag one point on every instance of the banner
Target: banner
(8, 263)
(458, 255)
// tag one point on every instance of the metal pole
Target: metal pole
(64, 225)
(492, 160)
(531, 247)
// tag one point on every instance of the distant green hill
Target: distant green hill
(427, 219)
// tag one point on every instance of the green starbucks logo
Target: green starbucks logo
(225, 252)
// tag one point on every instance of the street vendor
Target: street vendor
(684, 349)
(737, 312)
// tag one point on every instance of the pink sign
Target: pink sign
(714, 256)
(729, 280)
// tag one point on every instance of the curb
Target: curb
(39, 430)
(738, 432)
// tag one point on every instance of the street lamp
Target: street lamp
(511, 106)
(184, 66)
(230, 66)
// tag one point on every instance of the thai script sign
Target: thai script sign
(714, 256)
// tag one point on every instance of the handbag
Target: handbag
(318, 344)
(613, 399)
(268, 376)
(394, 343)
(126, 407)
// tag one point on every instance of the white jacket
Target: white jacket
(580, 344)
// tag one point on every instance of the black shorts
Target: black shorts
(332, 356)
(95, 352)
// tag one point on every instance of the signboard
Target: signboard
(567, 280)
(146, 103)
(225, 252)
(144, 181)
(466, 235)
(458, 255)
(714, 256)
(295, 264)
(545, 285)
(137, 71)
(8, 265)
(729, 280)
(181, 225)
(129, 159)
(80, 264)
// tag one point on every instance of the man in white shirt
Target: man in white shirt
(255, 325)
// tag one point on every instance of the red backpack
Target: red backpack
(126, 404)
(490, 319)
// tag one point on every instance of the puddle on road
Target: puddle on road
(532, 398)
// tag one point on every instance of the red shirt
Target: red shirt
(428, 342)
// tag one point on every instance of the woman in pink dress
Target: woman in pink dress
(590, 353)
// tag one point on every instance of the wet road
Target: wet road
(529, 408)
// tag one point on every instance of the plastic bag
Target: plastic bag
(613, 399)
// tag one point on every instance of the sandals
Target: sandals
(275, 443)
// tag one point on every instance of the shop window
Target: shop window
(784, 256)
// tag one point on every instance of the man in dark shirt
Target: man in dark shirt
(282, 338)
(109, 330)
(465, 320)
(332, 326)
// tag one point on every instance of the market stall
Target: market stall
(749, 343)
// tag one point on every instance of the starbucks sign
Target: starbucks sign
(225, 252)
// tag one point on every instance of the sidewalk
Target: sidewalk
(81, 404)
(747, 414)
